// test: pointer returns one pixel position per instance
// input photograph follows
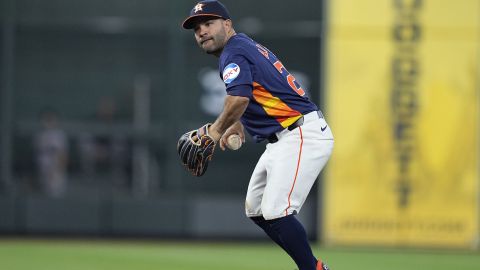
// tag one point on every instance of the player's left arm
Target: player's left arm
(233, 109)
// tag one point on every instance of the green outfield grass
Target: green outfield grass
(137, 255)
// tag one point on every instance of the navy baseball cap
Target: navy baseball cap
(210, 8)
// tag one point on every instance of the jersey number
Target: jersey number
(290, 78)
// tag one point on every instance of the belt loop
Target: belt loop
(297, 123)
(320, 114)
(272, 138)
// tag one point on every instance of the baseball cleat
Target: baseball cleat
(322, 266)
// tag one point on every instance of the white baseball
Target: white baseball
(234, 142)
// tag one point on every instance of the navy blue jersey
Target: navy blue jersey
(276, 99)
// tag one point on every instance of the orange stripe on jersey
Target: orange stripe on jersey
(274, 106)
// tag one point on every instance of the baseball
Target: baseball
(234, 142)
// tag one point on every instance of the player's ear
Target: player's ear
(228, 23)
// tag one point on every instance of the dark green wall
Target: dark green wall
(68, 55)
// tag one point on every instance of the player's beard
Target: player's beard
(215, 43)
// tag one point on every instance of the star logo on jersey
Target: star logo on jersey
(198, 7)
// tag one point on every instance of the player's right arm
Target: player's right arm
(233, 109)
(238, 80)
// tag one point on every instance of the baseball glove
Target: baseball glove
(196, 150)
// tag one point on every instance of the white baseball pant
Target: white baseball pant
(287, 170)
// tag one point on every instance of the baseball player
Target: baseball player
(266, 100)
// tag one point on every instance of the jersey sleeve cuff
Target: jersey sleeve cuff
(243, 90)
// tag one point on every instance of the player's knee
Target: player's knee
(252, 208)
(271, 212)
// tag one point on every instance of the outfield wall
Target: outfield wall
(171, 217)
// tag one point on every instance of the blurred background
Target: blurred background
(94, 95)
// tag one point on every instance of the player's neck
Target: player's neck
(229, 36)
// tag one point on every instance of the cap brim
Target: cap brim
(189, 22)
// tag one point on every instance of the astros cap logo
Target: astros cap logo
(208, 8)
(198, 7)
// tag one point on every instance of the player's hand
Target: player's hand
(236, 128)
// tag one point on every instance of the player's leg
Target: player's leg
(299, 159)
(256, 186)
(270, 231)
(254, 197)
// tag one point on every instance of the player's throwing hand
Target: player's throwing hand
(235, 129)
